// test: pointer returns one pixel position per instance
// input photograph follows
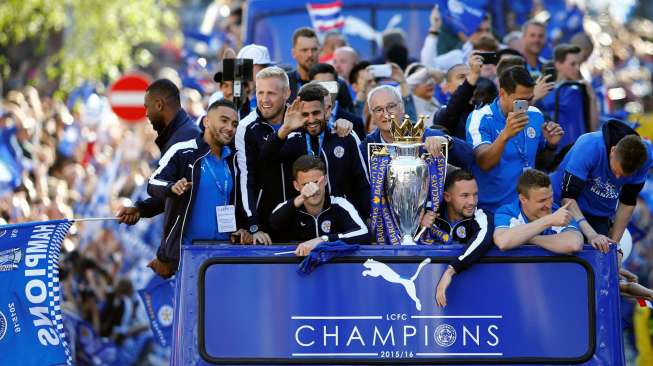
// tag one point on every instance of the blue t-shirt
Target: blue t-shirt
(511, 215)
(497, 186)
(570, 112)
(215, 187)
(588, 160)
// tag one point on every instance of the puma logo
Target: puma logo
(376, 269)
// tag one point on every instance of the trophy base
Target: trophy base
(407, 240)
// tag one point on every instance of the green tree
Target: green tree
(65, 42)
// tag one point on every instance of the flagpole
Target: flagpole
(83, 219)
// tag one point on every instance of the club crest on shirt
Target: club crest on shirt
(326, 226)
(530, 131)
(516, 221)
(461, 232)
(339, 152)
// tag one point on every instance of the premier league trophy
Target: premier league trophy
(402, 180)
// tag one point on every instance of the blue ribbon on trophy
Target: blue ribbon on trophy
(401, 181)
(437, 172)
(377, 176)
(384, 226)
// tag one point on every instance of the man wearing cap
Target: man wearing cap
(260, 57)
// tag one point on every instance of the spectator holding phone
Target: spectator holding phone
(566, 103)
(487, 46)
(506, 137)
(460, 83)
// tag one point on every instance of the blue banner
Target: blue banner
(31, 327)
(462, 15)
(11, 166)
(158, 300)
(437, 168)
(385, 228)
(522, 306)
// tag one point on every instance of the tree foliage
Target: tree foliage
(69, 41)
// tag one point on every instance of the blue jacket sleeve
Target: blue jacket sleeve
(478, 245)
(247, 154)
(150, 207)
(360, 178)
(164, 177)
(352, 228)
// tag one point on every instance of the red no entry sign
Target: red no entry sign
(126, 97)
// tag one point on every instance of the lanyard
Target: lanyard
(224, 189)
(332, 118)
(309, 149)
(522, 150)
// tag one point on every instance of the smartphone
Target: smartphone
(331, 86)
(380, 71)
(549, 69)
(489, 58)
(520, 105)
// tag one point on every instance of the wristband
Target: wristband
(581, 220)
(435, 33)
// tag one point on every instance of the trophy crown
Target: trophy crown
(406, 132)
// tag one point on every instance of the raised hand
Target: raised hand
(515, 123)
(562, 216)
(181, 186)
(343, 127)
(552, 132)
(293, 118)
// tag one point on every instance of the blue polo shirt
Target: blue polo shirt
(215, 187)
(497, 186)
(511, 215)
(588, 160)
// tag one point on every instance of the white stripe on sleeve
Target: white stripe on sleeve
(241, 158)
(360, 156)
(481, 218)
(362, 228)
(475, 125)
(165, 160)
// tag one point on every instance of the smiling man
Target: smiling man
(464, 222)
(530, 218)
(304, 131)
(262, 184)
(196, 178)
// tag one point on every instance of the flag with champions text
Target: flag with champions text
(31, 327)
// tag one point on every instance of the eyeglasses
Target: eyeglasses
(389, 108)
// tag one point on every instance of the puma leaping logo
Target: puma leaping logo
(376, 269)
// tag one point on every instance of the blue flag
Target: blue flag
(11, 166)
(462, 15)
(158, 299)
(31, 327)
(323, 253)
